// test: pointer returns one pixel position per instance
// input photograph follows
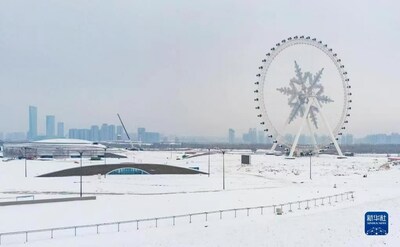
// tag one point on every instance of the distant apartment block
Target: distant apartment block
(32, 132)
(250, 136)
(148, 137)
(393, 138)
(231, 136)
(107, 132)
(50, 126)
(261, 137)
(60, 130)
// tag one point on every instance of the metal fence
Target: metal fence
(51, 233)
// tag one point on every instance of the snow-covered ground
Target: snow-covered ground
(269, 180)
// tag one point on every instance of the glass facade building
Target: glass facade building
(32, 133)
(50, 126)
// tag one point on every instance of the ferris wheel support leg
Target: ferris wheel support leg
(273, 147)
(314, 141)
(284, 130)
(296, 139)
(321, 113)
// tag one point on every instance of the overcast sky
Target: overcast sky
(183, 67)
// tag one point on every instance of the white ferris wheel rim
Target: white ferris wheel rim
(260, 83)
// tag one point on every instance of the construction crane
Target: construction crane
(126, 132)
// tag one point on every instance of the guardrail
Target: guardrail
(290, 206)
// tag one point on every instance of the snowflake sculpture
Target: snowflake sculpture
(302, 89)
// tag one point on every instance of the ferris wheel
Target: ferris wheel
(303, 95)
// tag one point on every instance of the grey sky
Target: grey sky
(183, 67)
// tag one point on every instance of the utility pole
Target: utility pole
(80, 172)
(310, 163)
(223, 169)
(105, 160)
(26, 168)
(208, 162)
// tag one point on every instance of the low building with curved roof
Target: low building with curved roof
(123, 169)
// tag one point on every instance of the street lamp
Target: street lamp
(105, 161)
(26, 168)
(80, 181)
(208, 162)
(223, 169)
(310, 153)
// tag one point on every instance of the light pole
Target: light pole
(208, 162)
(80, 182)
(105, 158)
(310, 164)
(26, 168)
(223, 169)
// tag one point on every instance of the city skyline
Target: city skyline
(59, 127)
(183, 76)
(111, 132)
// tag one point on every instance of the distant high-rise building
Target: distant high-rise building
(120, 133)
(60, 130)
(32, 133)
(148, 137)
(73, 133)
(107, 132)
(251, 136)
(82, 134)
(141, 134)
(95, 133)
(152, 137)
(394, 138)
(50, 126)
(231, 136)
(111, 132)
(104, 132)
(261, 137)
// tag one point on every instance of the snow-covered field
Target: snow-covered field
(269, 180)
